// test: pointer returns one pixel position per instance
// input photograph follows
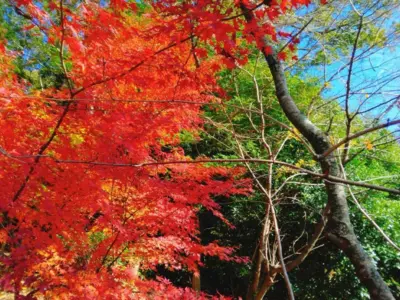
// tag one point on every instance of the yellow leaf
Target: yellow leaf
(294, 134)
(3, 236)
(368, 145)
(331, 274)
(76, 139)
(300, 163)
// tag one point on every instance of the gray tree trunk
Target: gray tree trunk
(339, 228)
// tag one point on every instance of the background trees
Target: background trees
(301, 200)
(339, 229)
(123, 124)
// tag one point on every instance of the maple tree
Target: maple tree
(71, 226)
(96, 183)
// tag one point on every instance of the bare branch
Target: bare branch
(350, 118)
(358, 134)
(305, 251)
(365, 213)
(325, 177)
(297, 34)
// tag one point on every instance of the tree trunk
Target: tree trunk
(256, 271)
(196, 282)
(339, 228)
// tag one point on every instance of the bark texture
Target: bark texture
(196, 282)
(339, 229)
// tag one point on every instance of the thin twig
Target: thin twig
(358, 134)
(350, 118)
(365, 213)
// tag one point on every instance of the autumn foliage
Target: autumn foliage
(94, 183)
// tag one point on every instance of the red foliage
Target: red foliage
(86, 196)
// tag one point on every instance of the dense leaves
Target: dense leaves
(110, 114)
(85, 203)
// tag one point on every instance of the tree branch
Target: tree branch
(358, 134)
(350, 118)
(369, 218)
(59, 122)
(326, 177)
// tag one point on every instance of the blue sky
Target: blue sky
(377, 81)
(375, 78)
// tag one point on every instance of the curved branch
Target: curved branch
(59, 122)
(358, 134)
(326, 177)
(340, 229)
(365, 213)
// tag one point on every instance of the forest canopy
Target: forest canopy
(201, 149)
